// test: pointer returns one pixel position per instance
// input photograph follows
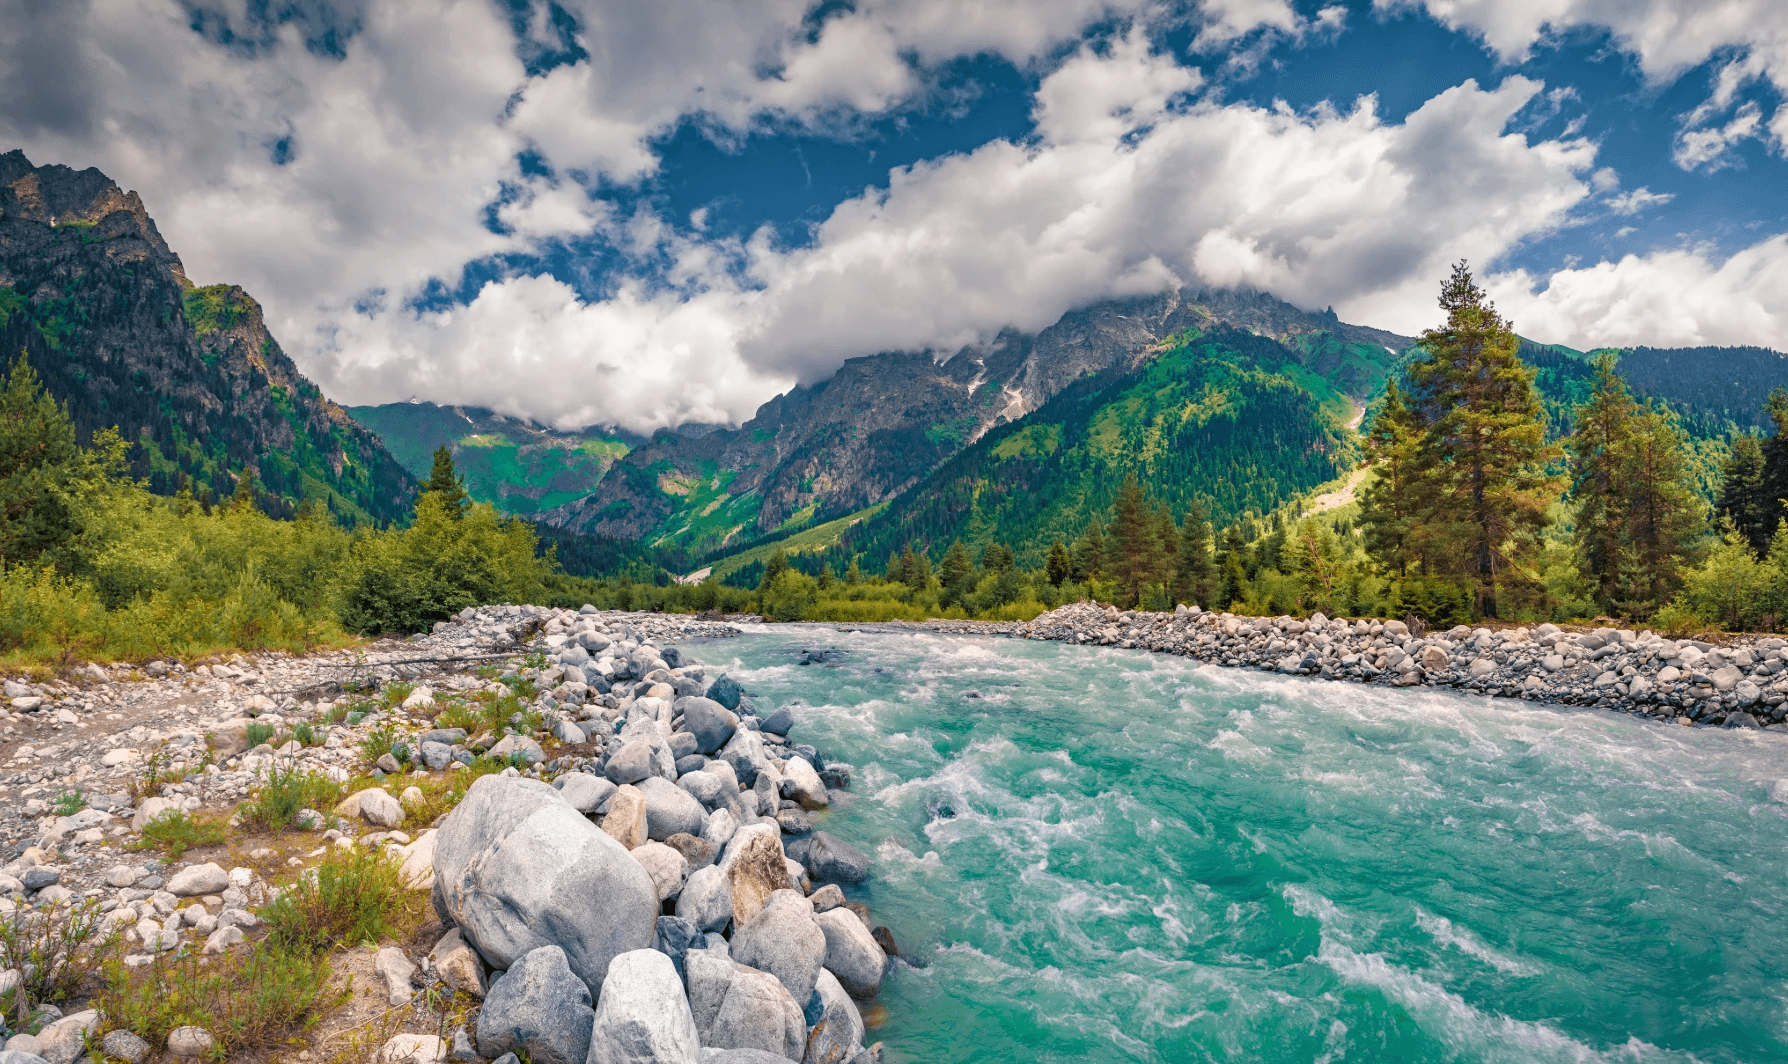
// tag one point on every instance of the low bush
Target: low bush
(176, 832)
(259, 733)
(69, 802)
(159, 767)
(249, 999)
(287, 791)
(55, 950)
(351, 897)
(378, 742)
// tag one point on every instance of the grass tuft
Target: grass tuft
(249, 999)
(288, 790)
(351, 897)
(175, 832)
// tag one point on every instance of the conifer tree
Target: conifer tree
(1197, 575)
(997, 558)
(1741, 493)
(1484, 487)
(243, 498)
(1059, 567)
(1598, 448)
(1089, 554)
(1314, 558)
(1132, 546)
(774, 566)
(43, 469)
(1390, 503)
(1666, 516)
(826, 579)
(444, 482)
(854, 575)
(957, 574)
(1232, 573)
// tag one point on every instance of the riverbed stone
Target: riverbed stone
(670, 810)
(755, 868)
(829, 859)
(585, 792)
(642, 1015)
(625, 821)
(802, 784)
(459, 965)
(517, 868)
(539, 1007)
(208, 878)
(784, 940)
(711, 723)
(852, 953)
(707, 899)
(667, 867)
(835, 1026)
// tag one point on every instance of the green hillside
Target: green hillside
(1235, 420)
(517, 466)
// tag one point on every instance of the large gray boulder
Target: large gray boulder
(642, 1016)
(517, 868)
(707, 899)
(737, 1007)
(701, 785)
(784, 940)
(539, 1007)
(829, 859)
(711, 723)
(835, 1027)
(741, 1056)
(670, 809)
(852, 953)
(631, 763)
(745, 753)
(585, 792)
(726, 691)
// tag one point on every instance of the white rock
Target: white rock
(418, 869)
(642, 1016)
(379, 809)
(667, 867)
(208, 878)
(190, 1042)
(413, 1049)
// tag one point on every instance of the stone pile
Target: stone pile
(1741, 683)
(653, 811)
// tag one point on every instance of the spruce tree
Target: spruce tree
(1598, 448)
(444, 482)
(1484, 491)
(957, 574)
(1131, 547)
(1089, 554)
(774, 566)
(1666, 519)
(1390, 503)
(43, 469)
(854, 575)
(1741, 493)
(1232, 573)
(1197, 576)
(1059, 567)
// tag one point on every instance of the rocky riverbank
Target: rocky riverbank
(1742, 683)
(634, 813)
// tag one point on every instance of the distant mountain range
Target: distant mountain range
(1237, 400)
(101, 305)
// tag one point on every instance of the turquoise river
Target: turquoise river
(1105, 855)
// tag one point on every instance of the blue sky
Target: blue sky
(587, 211)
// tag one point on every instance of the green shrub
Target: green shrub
(259, 733)
(69, 802)
(288, 790)
(249, 999)
(175, 832)
(378, 742)
(404, 580)
(306, 735)
(352, 897)
(56, 949)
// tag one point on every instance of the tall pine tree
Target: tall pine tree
(1197, 576)
(1060, 566)
(1598, 448)
(1742, 499)
(1390, 502)
(444, 482)
(1666, 516)
(1484, 488)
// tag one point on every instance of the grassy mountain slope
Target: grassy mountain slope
(190, 376)
(1238, 421)
(885, 422)
(518, 466)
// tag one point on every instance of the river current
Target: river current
(1106, 855)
